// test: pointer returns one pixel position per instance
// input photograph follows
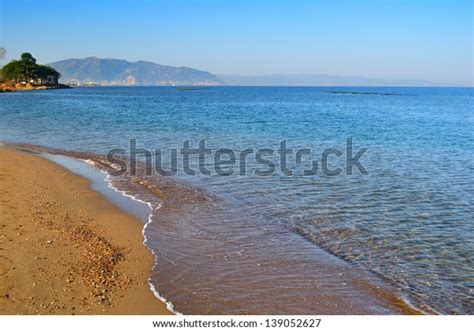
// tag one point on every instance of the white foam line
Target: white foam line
(418, 309)
(153, 289)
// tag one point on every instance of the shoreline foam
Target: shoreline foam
(109, 182)
(169, 305)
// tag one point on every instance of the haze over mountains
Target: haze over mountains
(115, 72)
(317, 80)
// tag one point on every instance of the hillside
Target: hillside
(93, 70)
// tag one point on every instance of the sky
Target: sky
(388, 39)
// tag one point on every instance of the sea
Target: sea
(279, 200)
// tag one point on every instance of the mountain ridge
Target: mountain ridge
(117, 72)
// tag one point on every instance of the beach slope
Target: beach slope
(64, 249)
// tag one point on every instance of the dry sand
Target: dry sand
(64, 249)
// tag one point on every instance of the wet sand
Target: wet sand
(64, 249)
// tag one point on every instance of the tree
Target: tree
(28, 66)
(47, 75)
(26, 69)
(11, 71)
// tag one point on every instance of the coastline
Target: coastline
(65, 249)
(373, 292)
(29, 87)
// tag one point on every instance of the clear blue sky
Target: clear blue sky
(393, 39)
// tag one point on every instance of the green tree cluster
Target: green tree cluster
(28, 71)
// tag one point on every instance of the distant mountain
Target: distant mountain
(93, 70)
(97, 71)
(317, 80)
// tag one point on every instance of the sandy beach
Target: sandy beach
(64, 249)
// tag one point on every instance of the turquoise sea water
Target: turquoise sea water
(409, 220)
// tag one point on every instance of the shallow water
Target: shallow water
(100, 183)
(260, 244)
